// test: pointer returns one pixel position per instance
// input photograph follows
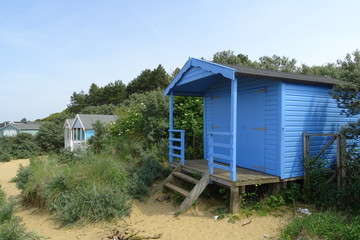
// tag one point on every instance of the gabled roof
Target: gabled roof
(25, 126)
(276, 75)
(197, 75)
(69, 122)
(87, 120)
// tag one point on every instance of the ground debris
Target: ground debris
(163, 198)
(246, 223)
(128, 234)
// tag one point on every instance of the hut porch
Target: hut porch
(244, 177)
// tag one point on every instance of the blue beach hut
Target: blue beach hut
(254, 119)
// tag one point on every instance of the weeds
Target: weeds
(92, 188)
(88, 187)
(10, 225)
(330, 225)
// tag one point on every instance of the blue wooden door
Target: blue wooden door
(221, 122)
(251, 129)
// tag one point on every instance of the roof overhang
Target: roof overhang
(197, 76)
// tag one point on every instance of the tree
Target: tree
(277, 63)
(149, 80)
(347, 93)
(50, 137)
(106, 109)
(226, 57)
(115, 93)
(77, 102)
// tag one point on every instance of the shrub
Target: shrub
(93, 188)
(20, 146)
(4, 156)
(144, 174)
(22, 177)
(90, 203)
(50, 137)
(326, 225)
(10, 225)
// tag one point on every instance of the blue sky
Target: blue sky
(51, 48)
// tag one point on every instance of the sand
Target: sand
(148, 218)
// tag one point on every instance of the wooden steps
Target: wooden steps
(175, 188)
(185, 177)
(190, 197)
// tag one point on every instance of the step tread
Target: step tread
(185, 177)
(177, 189)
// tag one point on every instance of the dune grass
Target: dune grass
(89, 188)
(10, 225)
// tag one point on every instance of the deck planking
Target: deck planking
(244, 176)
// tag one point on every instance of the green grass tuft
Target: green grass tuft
(10, 225)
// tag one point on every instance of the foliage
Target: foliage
(93, 188)
(97, 142)
(50, 137)
(22, 177)
(58, 118)
(106, 109)
(144, 173)
(347, 92)
(112, 93)
(275, 63)
(20, 146)
(149, 80)
(143, 116)
(230, 58)
(10, 225)
(325, 225)
(188, 115)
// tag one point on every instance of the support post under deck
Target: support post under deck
(236, 198)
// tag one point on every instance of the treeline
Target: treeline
(117, 92)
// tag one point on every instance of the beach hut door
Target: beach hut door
(251, 129)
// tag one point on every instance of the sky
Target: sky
(52, 48)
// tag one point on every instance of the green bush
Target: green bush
(10, 225)
(92, 188)
(50, 137)
(5, 156)
(143, 174)
(22, 177)
(90, 203)
(20, 146)
(330, 225)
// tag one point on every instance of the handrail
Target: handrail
(223, 157)
(180, 148)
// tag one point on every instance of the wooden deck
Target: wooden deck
(244, 176)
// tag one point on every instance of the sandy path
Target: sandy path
(149, 218)
(198, 223)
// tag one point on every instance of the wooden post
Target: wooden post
(275, 188)
(338, 162)
(342, 140)
(171, 124)
(236, 198)
(306, 147)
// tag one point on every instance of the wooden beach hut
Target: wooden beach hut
(254, 121)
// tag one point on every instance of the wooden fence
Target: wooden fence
(325, 148)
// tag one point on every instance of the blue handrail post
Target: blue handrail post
(211, 154)
(171, 125)
(182, 136)
(233, 127)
